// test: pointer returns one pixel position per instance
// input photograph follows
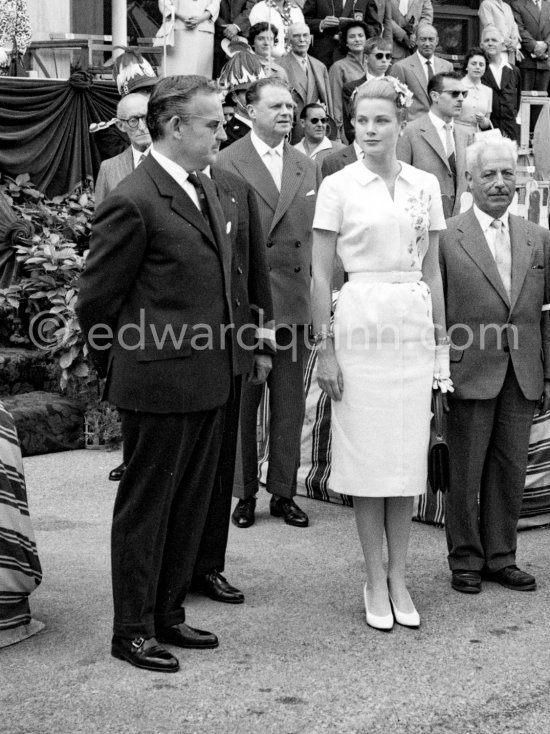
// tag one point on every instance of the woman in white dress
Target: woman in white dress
(382, 218)
(192, 33)
(477, 106)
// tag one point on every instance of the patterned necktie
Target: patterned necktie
(503, 255)
(203, 204)
(430, 69)
(450, 146)
(142, 157)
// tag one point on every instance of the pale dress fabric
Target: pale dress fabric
(383, 326)
(478, 101)
(193, 51)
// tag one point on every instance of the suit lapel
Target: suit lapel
(521, 254)
(473, 241)
(227, 200)
(431, 136)
(293, 173)
(218, 224)
(252, 169)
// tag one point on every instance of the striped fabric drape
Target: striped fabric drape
(20, 571)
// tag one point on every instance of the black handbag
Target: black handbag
(438, 452)
(17, 67)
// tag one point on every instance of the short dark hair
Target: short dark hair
(436, 82)
(475, 51)
(170, 97)
(258, 28)
(311, 106)
(254, 90)
(377, 42)
(347, 28)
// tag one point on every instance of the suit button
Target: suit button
(239, 270)
(298, 243)
(506, 349)
(237, 302)
(270, 244)
(297, 269)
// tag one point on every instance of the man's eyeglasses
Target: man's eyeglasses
(133, 122)
(455, 93)
(317, 120)
(379, 56)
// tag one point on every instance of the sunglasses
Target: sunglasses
(455, 93)
(317, 120)
(379, 56)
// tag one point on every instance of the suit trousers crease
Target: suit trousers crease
(286, 416)
(159, 514)
(488, 444)
(211, 553)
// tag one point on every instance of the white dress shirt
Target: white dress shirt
(272, 157)
(439, 125)
(178, 173)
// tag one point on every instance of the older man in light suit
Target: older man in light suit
(496, 277)
(131, 114)
(285, 182)
(416, 71)
(434, 144)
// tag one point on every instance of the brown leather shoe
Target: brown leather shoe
(182, 635)
(144, 653)
(243, 514)
(468, 582)
(217, 587)
(511, 577)
(289, 510)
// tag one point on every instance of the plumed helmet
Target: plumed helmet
(132, 72)
(242, 70)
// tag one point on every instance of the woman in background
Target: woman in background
(192, 33)
(477, 106)
(353, 38)
(262, 37)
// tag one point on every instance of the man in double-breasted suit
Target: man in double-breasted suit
(131, 113)
(285, 183)
(155, 306)
(307, 76)
(415, 71)
(533, 20)
(252, 310)
(405, 24)
(434, 144)
(496, 278)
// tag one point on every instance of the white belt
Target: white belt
(391, 276)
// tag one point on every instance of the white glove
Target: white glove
(442, 369)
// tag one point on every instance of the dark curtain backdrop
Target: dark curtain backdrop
(44, 130)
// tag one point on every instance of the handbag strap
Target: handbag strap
(437, 407)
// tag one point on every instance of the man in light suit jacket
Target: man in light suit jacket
(285, 183)
(406, 18)
(415, 71)
(496, 278)
(434, 144)
(307, 76)
(131, 114)
(169, 362)
(533, 20)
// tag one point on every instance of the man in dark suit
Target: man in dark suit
(169, 358)
(307, 76)
(252, 306)
(504, 80)
(416, 71)
(533, 19)
(326, 18)
(285, 183)
(131, 114)
(434, 144)
(496, 279)
(232, 21)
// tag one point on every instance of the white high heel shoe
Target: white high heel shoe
(384, 623)
(409, 619)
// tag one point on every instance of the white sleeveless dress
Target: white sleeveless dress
(384, 334)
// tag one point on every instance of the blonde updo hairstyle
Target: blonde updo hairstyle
(381, 88)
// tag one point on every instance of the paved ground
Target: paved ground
(297, 657)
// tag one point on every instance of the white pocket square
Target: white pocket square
(311, 193)
(228, 228)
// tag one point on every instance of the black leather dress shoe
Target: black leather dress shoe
(218, 588)
(142, 653)
(115, 475)
(182, 635)
(468, 582)
(512, 578)
(289, 510)
(243, 514)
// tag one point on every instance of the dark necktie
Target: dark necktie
(430, 69)
(451, 156)
(203, 204)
